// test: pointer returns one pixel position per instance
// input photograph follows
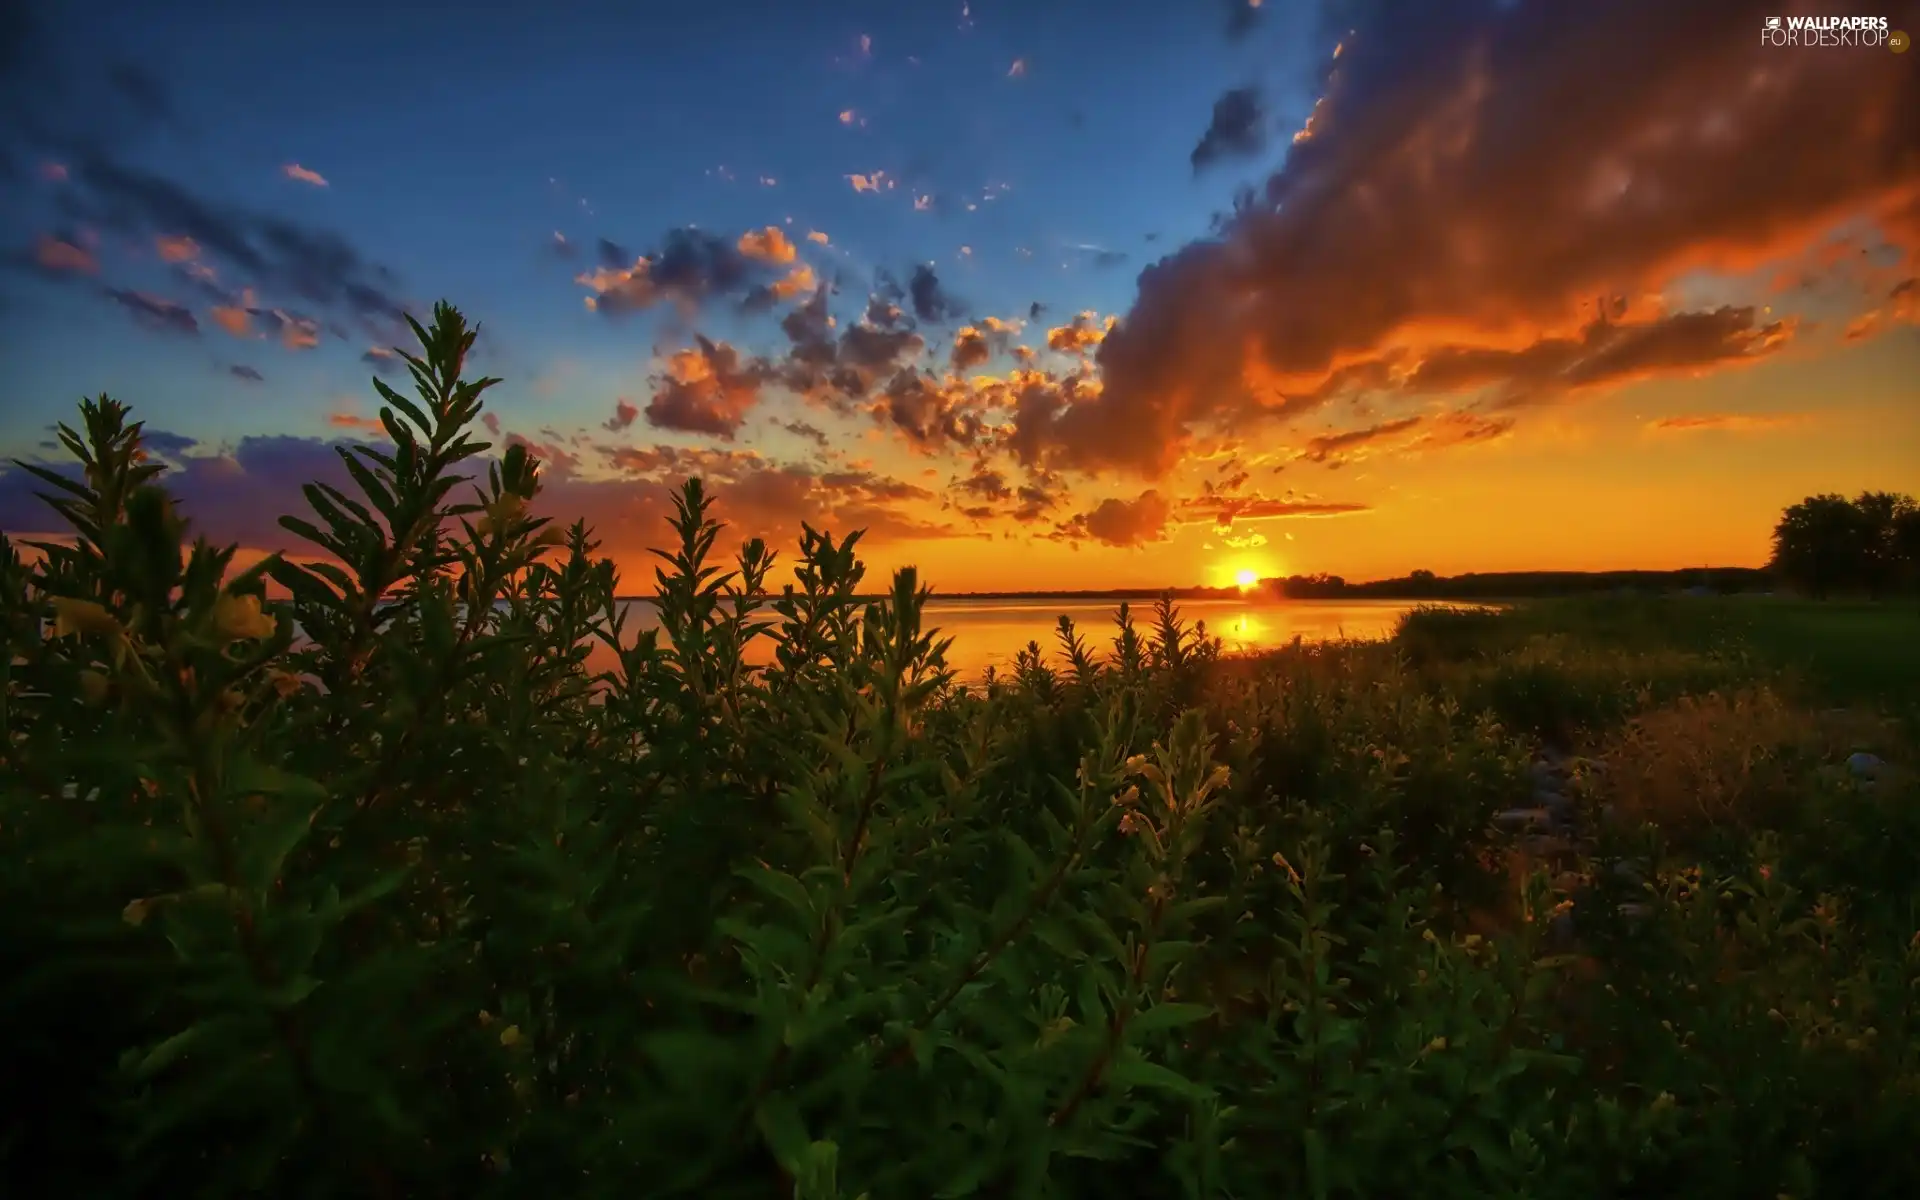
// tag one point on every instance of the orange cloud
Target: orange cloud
(53, 254)
(706, 388)
(349, 420)
(769, 245)
(817, 236)
(1901, 307)
(1460, 205)
(1728, 422)
(299, 173)
(176, 249)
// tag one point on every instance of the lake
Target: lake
(991, 632)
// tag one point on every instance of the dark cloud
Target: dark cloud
(612, 254)
(1477, 168)
(1125, 522)
(1328, 445)
(155, 313)
(269, 252)
(241, 371)
(803, 429)
(930, 301)
(1238, 129)
(691, 268)
(1606, 352)
(930, 416)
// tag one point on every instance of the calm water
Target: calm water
(990, 632)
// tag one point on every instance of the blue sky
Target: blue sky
(455, 147)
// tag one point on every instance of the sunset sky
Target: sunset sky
(1044, 294)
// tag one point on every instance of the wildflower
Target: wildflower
(1439, 1043)
(1472, 940)
(1663, 1102)
(73, 618)
(239, 617)
(1130, 823)
(1136, 763)
(1766, 872)
(510, 1035)
(135, 913)
(1426, 935)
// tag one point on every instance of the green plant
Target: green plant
(350, 874)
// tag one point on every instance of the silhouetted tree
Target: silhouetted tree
(1827, 543)
(1882, 564)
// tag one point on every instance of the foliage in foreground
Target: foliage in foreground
(418, 905)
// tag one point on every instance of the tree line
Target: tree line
(1828, 544)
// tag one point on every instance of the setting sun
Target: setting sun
(1246, 579)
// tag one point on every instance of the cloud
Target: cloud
(241, 371)
(803, 429)
(351, 420)
(1453, 197)
(296, 331)
(1321, 448)
(176, 249)
(707, 388)
(1238, 129)
(624, 414)
(974, 345)
(1728, 423)
(691, 268)
(930, 301)
(1223, 512)
(1900, 307)
(58, 255)
(1127, 522)
(271, 253)
(816, 236)
(1081, 334)
(769, 245)
(156, 313)
(1605, 353)
(300, 174)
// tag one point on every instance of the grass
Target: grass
(424, 907)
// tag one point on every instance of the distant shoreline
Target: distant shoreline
(1489, 587)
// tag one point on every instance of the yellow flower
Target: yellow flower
(135, 913)
(72, 618)
(1439, 1043)
(236, 617)
(510, 1035)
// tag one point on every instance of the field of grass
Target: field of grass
(1576, 899)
